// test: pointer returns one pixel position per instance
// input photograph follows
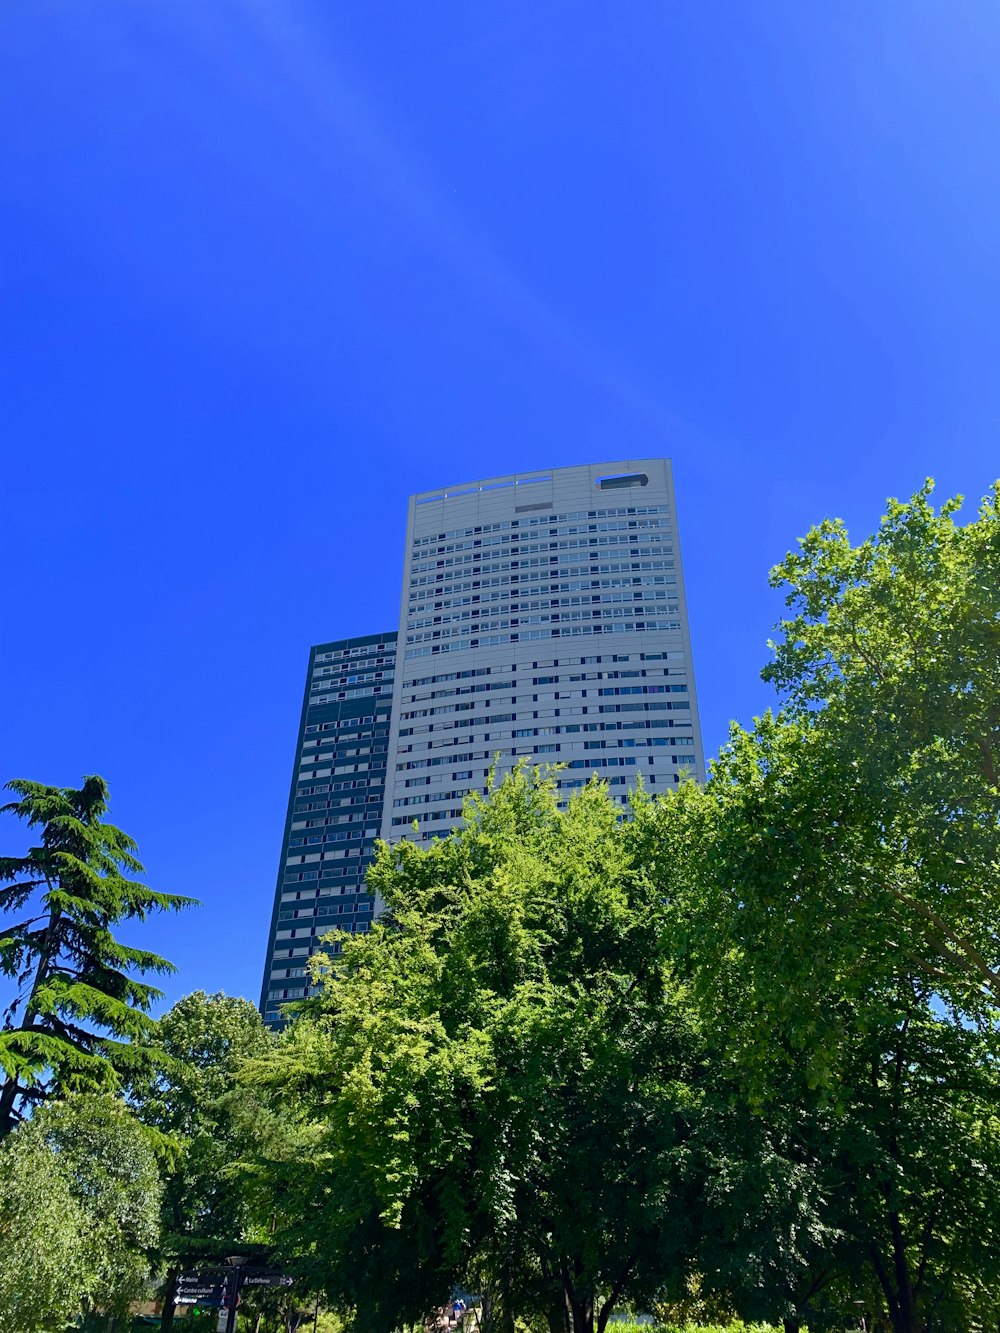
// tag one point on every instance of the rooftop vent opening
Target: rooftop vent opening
(622, 480)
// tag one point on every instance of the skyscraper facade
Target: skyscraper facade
(543, 618)
(334, 808)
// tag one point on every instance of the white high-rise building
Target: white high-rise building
(543, 617)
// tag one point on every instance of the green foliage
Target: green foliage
(501, 1078)
(79, 1211)
(890, 667)
(79, 1004)
(205, 1121)
(734, 1326)
(44, 1273)
(834, 899)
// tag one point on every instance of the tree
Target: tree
(85, 1168)
(79, 1004)
(502, 1079)
(834, 894)
(191, 1095)
(891, 663)
(44, 1275)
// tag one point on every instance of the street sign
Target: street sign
(265, 1279)
(202, 1288)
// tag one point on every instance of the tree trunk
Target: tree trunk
(900, 1297)
(7, 1098)
(169, 1300)
(582, 1315)
(791, 1324)
(906, 1302)
(556, 1317)
(11, 1088)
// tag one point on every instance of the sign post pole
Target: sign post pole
(237, 1261)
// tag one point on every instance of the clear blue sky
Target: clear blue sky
(257, 254)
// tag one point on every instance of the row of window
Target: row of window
(352, 677)
(436, 816)
(558, 632)
(327, 746)
(344, 784)
(590, 544)
(371, 798)
(496, 719)
(556, 528)
(428, 798)
(621, 511)
(356, 907)
(449, 709)
(338, 770)
(310, 894)
(462, 597)
(432, 816)
(602, 612)
(469, 756)
(483, 721)
(343, 654)
(345, 727)
(342, 695)
(482, 613)
(592, 660)
(458, 691)
(530, 571)
(625, 743)
(574, 728)
(341, 835)
(325, 872)
(551, 748)
(355, 803)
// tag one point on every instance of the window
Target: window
(465, 774)
(622, 480)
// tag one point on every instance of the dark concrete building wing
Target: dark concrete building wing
(334, 809)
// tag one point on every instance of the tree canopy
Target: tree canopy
(189, 1093)
(80, 1002)
(79, 1213)
(502, 1079)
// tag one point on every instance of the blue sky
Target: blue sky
(257, 254)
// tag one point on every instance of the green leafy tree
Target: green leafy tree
(890, 666)
(501, 1078)
(191, 1095)
(44, 1272)
(111, 1167)
(834, 894)
(79, 1003)
(86, 1168)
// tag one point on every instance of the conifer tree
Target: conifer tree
(79, 999)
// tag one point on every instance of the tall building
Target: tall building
(334, 808)
(543, 617)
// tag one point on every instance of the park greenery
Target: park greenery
(731, 1060)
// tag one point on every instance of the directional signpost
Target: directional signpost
(220, 1288)
(208, 1289)
(265, 1277)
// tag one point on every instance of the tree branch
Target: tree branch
(964, 946)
